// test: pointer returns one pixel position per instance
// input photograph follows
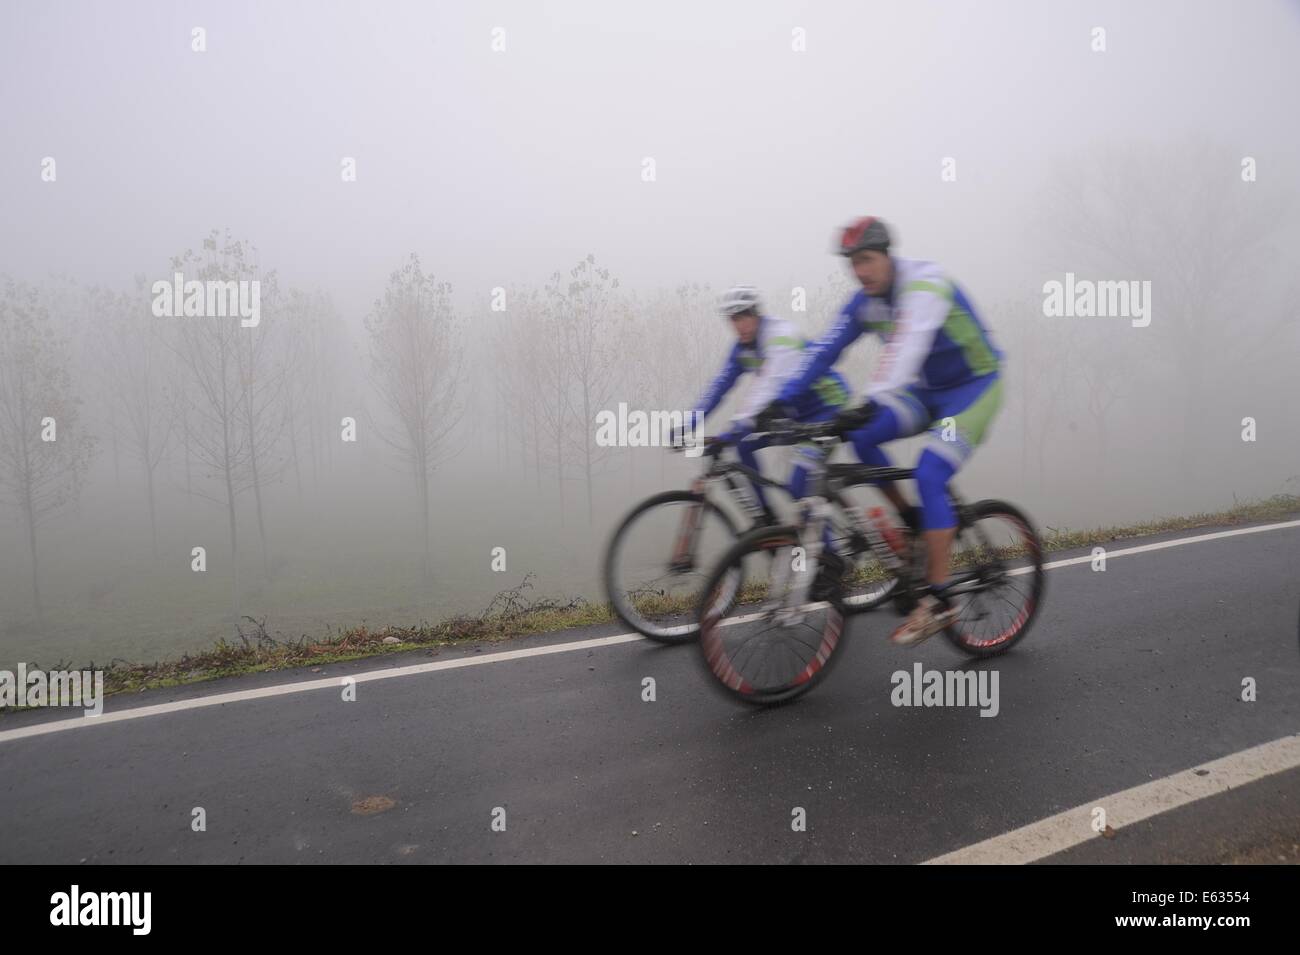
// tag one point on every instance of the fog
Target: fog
(565, 188)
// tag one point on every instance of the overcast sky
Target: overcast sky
(499, 167)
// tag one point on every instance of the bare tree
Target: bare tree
(132, 341)
(1041, 363)
(548, 342)
(184, 434)
(312, 366)
(680, 343)
(593, 317)
(417, 369)
(1210, 244)
(44, 456)
(640, 366)
(513, 342)
(265, 351)
(233, 388)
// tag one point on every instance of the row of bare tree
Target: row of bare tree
(226, 411)
(236, 409)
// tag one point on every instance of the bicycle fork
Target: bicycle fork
(793, 608)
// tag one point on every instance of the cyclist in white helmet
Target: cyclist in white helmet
(771, 348)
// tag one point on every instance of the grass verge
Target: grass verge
(513, 613)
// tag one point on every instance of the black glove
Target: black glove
(677, 437)
(851, 419)
(776, 411)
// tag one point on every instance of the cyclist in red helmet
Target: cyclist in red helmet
(940, 371)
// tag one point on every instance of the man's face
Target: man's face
(746, 326)
(874, 271)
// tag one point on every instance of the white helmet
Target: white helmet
(739, 298)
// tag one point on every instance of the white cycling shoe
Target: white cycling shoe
(924, 622)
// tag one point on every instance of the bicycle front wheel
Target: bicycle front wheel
(777, 647)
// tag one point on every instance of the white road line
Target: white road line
(1074, 826)
(324, 683)
(305, 686)
(1161, 545)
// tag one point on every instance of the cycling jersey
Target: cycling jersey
(774, 356)
(933, 338)
(939, 363)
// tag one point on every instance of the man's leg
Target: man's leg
(805, 456)
(962, 416)
(799, 472)
(938, 518)
(747, 450)
(901, 416)
(962, 419)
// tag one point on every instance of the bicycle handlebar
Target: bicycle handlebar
(780, 431)
(712, 447)
(786, 431)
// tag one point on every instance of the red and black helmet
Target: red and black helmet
(866, 233)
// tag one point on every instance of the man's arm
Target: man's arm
(819, 357)
(723, 383)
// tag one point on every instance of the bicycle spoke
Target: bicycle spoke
(661, 560)
(997, 605)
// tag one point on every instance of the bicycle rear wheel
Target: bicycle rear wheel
(776, 651)
(998, 579)
(659, 559)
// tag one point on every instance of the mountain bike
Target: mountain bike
(787, 643)
(660, 556)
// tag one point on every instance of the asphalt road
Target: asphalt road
(1129, 676)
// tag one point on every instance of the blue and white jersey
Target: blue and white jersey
(775, 355)
(933, 337)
